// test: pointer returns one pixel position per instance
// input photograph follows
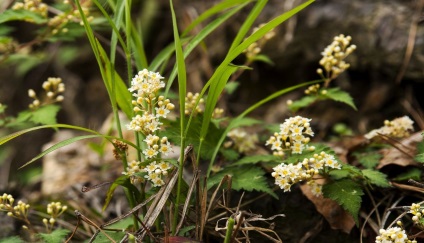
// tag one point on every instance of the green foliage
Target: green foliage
(263, 58)
(257, 159)
(376, 178)
(414, 174)
(420, 152)
(303, 102)
(55, 236)
(12, 239)
(341, 96)
(24, 15)
(115, 235)
(347, 193)
(231, 87)
(369, 159)
(333, 94)
(346, 171)
(123, 181)
(246, 178)
(45, 115)
(173, 132)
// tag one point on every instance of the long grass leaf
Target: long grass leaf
(194, 42)
(212, 11)
(247, 24)
(182, 86)
(138, 48)
(59, 145)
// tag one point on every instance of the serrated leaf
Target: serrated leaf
(55, 236)
(24, 15)
(246, 178)
(376, 177)
(45, 115)
(303, 102)
(230, 154)
(419, 158)
(256, 159)
(341, 96)
(12, 239)
(420, 152)
(414, 174)
(368, 160)
(345, 172)
(346, 193)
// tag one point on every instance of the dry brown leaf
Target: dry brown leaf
(335, 215)
(404, 154)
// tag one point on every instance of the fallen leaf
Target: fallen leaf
(335, 215)
(403, 154)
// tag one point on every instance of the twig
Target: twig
(411, 41)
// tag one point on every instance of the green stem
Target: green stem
(230, 227)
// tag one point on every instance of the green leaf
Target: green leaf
(12, 239)
(24, 15)
(55, 236)
(45, 115)
(256, 159)
(346, 171)
(230, 154)
(340, 96)
(59, 145)
(263, 58)
(120, 181)
(246, 178)
(420, 152)
(368, 160)
(302, 103)
(414, 174)
(123, 224)
(193, 134)
(231, 87)
(245, 122)
(346, 193)
(376, 177)
(117, 236)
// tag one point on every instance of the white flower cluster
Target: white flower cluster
(392, 235)
(191, 107)
(154, 172)
(417, 212)
(53, 89)
(398, 128)
(292, 136)
(151, 108)
(20, 211)
(54, 209)
(242, 141)
(333, 55)
(288, 174)
(35, 6)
